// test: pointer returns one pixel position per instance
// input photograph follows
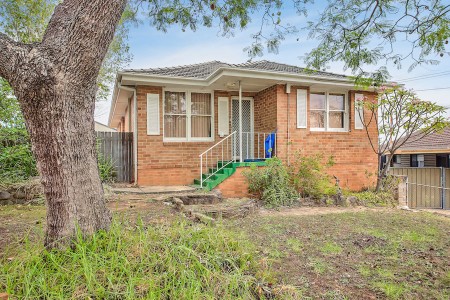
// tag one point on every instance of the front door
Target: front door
(247, 127)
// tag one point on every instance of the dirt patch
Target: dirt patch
(317, 210)
(365, 241)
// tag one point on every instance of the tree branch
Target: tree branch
(79, 34)
(10, 52)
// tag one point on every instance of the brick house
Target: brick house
(239, 113)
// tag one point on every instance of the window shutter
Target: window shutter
(301, 108)
(153, 127)
(223, 114)
(359, 112)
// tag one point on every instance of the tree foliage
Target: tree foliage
(399, 117)
(361, 34)
(367, 33)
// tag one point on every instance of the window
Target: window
(201, 115)
(417, 160)
(187, 116)
(327, 111)
(175, 115)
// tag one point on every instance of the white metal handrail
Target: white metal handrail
(255, 145)
(226, 157)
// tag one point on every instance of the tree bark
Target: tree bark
(55, 83)
(382, 173)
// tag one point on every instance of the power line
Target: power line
(426, 77)
(433, 89)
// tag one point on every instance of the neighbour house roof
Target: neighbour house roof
(433, 143)
(204, 70)
(102, 127)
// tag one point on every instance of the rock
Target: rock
(19, 201)
(217, 192)
(178, 204)
(6, 202)
(352, 200)
(19, 195)
(4, 195)
(199, 217)
(201, 198)
(341, 200)
(231, 211)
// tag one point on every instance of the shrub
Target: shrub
(271, 184)
(177, 261)
(308, 174)
(106, 169)
(16, 159)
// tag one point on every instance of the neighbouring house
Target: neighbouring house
(103, 128)
(216, 117)
(430, 151)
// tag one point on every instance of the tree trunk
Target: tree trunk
(64, 145)
(383, 172)
(55, 83)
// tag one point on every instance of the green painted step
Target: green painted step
(223, 174)
(217, 178)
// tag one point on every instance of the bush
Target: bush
(177, 261)
(16, 159)
(271, 184)
(309, 176)
(106, 169)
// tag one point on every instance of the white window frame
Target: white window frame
(420, 161)
(188, 137)
(327, 112)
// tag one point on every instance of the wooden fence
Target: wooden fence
(427, 187)
(118, 147)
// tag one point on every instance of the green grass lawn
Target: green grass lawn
(369, 254)
(375, 254)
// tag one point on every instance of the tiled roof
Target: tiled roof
(434, 141)
(203, 70)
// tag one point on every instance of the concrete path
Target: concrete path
(153, 189)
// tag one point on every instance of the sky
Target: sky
(151, 48)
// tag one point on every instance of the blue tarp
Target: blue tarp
(270, 145)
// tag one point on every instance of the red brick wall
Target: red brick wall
(176, 163)
(351, 150)
(170, 163)
(235, 186)
(265, 106)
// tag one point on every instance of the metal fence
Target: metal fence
(427, 187)
(118, 147)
